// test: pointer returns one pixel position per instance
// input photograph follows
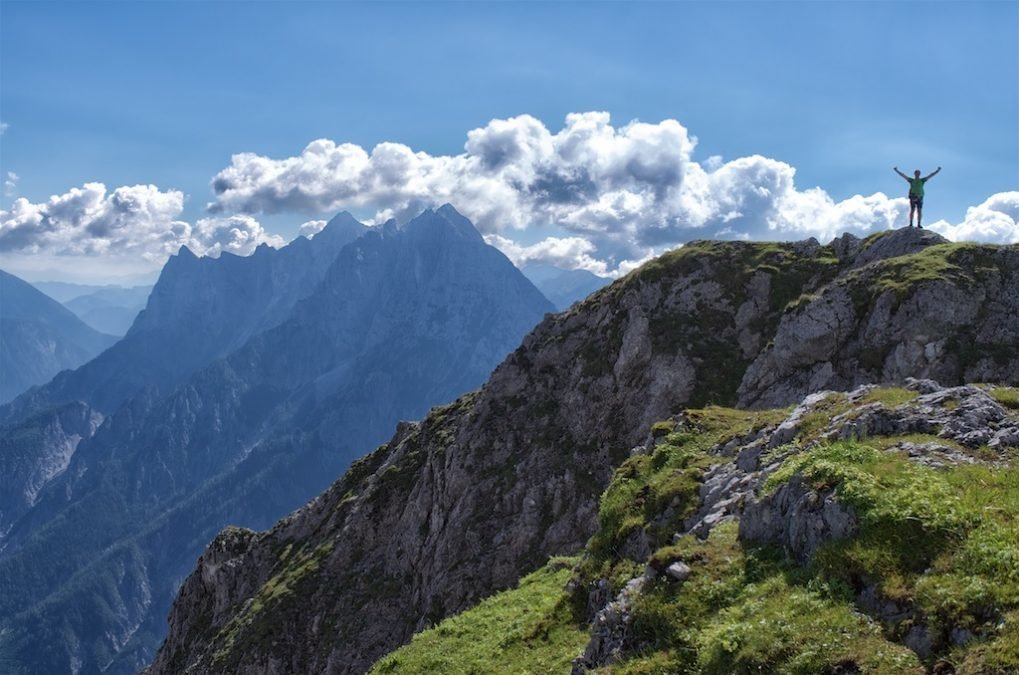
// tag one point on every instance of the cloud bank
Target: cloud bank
(138, 221)
(995, 220)
(609, 197)
(620, 194)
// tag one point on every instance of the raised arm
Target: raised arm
(904, 176)
(933, 173)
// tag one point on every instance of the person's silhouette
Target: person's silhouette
(916, 192)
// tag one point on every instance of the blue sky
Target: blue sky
(164, 93)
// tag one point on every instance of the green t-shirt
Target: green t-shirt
(916, 186)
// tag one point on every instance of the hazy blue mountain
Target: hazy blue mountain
(199, 310)
(110, 309)
(64, 291)
(405, 318)
(39, 337)
(563, 287)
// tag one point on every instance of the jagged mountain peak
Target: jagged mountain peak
(343, 226)
(200, 309)
(184, 253)
(444, 220)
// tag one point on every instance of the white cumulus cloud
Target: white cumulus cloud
(565, 252)
(312, 227)
(610, 196)
(139, 221)
(996, 220)
(238, 234)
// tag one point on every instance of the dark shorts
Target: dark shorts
(915, 202)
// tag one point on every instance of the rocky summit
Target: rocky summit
(681, 435)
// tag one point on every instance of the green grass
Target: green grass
(945, 542)
(524, 630)
(1006, 396)
(815, 421)
(776, 627)
(891, 397)
(748, 611)
(904, 274)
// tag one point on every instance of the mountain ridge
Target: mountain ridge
(478, 494)
(200, 309)
(39, 337)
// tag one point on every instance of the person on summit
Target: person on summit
(916, 192)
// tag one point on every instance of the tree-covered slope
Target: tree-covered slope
(483, 492)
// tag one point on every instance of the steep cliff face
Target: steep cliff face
(948, 313)
(481, 492)
(35, 452)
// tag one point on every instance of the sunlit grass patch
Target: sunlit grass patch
(778, 628)
(892, 397)
(1006, 396)
(945, 542)
(527, 629)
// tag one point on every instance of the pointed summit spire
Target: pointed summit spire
(445, 218)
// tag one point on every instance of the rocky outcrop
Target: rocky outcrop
(947, 313)
(482, 492)
(798, 516)
(611, 629)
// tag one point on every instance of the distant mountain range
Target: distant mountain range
(244, 388)
(563, 287)
(39, 337)
(109, 309)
